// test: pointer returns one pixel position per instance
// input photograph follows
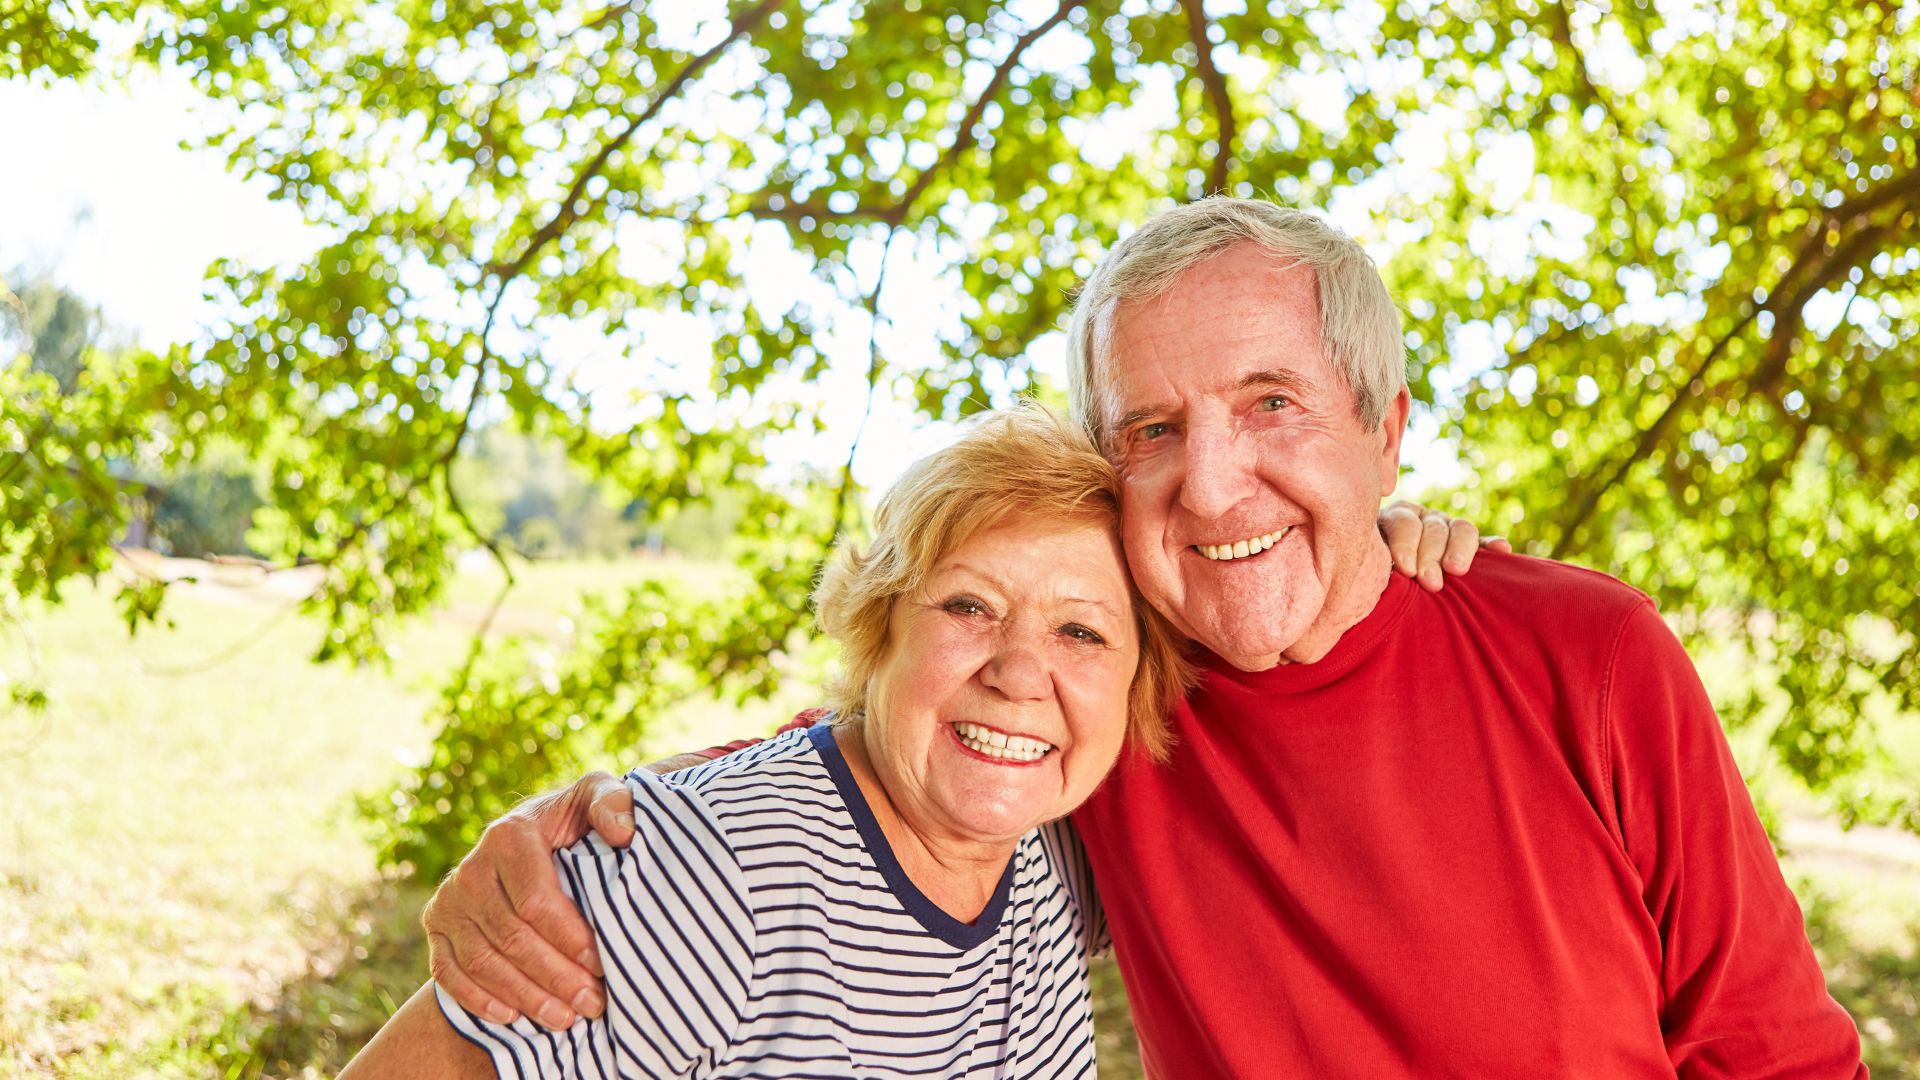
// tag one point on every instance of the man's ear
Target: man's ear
(1393, 428)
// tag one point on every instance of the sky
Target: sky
(114, 208)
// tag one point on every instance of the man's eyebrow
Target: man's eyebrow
(1134, 416)
(1275, 379)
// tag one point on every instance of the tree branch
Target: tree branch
(567, 213)
(1216, 87)
(1786, 308)
(964, 138)
(1849, 254)
(895, 214)
(1560, 27)
(1590, 496)
(1901, 187)
(873, 380)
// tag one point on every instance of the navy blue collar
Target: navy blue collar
(937, 922)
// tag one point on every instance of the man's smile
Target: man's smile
(1240, 549)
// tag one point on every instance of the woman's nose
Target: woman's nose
(1019, 671)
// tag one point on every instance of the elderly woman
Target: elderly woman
(890, 894)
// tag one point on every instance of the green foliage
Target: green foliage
(50, 38)
(529, 496)
(206, 511)
(517, 720)
(65, 496)
(1659, 262)
(1710, 391)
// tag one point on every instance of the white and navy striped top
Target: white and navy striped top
(760, 926)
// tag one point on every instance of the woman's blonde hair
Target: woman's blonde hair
(1016, 462)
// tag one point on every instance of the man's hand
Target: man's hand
(1426, 545)
(503, 937)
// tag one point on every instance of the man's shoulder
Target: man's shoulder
(1545, 586)
(1570, 614)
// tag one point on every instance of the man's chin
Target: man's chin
(1249, 648)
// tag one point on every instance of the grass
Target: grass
(185, 890)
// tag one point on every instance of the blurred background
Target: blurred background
(407, 405)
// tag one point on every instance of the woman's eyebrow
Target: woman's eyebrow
(1101, 604)
(968, 568)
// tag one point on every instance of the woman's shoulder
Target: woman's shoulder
(771, 796)
(785, 762)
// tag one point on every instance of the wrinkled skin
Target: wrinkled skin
(1230, 423)
(538, 956)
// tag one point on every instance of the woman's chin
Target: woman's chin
(1004, 809)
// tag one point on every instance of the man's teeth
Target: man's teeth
(1240, 549)
(998, 744)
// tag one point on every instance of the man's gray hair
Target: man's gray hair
(1359, 324)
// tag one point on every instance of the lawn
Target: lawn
(186, 890)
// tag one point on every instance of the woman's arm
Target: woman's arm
(419, 1044)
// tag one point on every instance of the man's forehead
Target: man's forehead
(1214, 360)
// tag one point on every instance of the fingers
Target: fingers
(447, 973)
(1433, 545)
(610, 813)
(494, 961)
(538, 929)
(510, 937)
(1497, 543)
(1401, 528)
(1463, 542)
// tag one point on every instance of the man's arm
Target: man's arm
(1744, 994)
(504, 940)
(419, 1044)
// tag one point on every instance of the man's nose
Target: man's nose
(1018, 669)
(1219, 474)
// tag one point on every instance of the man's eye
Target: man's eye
(1274, 402)
(1151, 431)
(1080, 633)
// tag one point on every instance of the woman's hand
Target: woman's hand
(1427, 545)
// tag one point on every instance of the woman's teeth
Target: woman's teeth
(998, 744)
(1240, 549)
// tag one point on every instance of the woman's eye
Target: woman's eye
(965, 605)
(1080, 633)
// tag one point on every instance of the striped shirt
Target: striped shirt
(759, 926)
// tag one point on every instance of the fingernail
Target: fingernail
(556, 1017)
(590, 959)
(586, 1003)
(625, 821)
(500, 1014)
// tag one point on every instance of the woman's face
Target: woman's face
(1001, 700)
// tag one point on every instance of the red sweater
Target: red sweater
(1495, 832)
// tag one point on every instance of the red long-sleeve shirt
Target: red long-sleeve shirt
(1495, 832)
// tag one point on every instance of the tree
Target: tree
(1621, 232)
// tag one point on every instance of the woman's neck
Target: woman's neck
(958, 874)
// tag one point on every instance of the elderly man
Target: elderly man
(1489, 831)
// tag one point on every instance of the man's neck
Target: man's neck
(1346, 606)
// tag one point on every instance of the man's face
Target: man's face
(1251, 489)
